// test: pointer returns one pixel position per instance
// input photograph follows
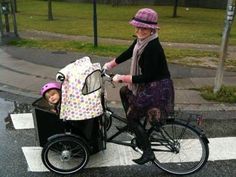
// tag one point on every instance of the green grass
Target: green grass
(104, 50)
(196, 25)
(72, 46)
(226, 94)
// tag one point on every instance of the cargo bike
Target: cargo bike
(180, 145)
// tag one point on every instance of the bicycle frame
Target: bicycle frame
(110, 114)
(168, 143)
(165, 138)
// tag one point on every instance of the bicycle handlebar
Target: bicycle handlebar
(105, 74)
(109, 76)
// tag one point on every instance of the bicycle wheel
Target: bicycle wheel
(179, 148)
(65, 155)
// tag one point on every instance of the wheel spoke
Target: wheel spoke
(65, 155)
(188, 152)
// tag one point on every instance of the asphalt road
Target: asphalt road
(13, 163)
(62, 58)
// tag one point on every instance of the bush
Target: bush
(226, 94)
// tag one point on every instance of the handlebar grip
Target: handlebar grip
(60, 77)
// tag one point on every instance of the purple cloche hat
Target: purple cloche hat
(145, 18)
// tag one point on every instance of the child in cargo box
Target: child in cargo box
(51, 92)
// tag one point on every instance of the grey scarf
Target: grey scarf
(138, 50)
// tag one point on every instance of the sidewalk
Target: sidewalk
(23, 71)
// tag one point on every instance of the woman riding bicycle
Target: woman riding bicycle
(149, 85)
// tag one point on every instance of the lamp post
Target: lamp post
(1, 26)
(6, 11)
(95, 23)
(224, 44)
(7, 8)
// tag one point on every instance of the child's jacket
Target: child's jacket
(81, 90)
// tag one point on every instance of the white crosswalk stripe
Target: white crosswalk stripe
(221, 148)
(33, 158)
(22, 121)
(123, 156)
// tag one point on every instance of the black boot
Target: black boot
(142, 138)
(147, 156)
(124, 96)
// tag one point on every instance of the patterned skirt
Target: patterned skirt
(153, 96)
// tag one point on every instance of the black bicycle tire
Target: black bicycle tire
(47, 146)
(205, 148)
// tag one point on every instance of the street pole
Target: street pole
(1, 26)
(6, 8)
(224, 44)
(95, 23)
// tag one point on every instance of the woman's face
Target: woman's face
(142, 33)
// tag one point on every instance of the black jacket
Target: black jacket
(152, 62)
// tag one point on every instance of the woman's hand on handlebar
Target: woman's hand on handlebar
(109, 65)
(122, 78)
(117, 77)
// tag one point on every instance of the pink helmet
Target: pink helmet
(145, 18)
(49, 86)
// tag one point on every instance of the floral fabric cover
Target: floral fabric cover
(76, 105)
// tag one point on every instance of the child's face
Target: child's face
(53, 96)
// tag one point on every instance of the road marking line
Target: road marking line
(33, 158)
(222, 148)
(114, 155)
(23, 121)
(117, 155)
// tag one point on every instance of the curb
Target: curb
(16, 91)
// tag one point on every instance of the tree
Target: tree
(15, 5)
(14, 18)
(175, 8)
(224, 44)
(115, 2)
(50, 16)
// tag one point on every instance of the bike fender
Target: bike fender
(62, 135)
(205, 138)
(201, 133)
(197, 128)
